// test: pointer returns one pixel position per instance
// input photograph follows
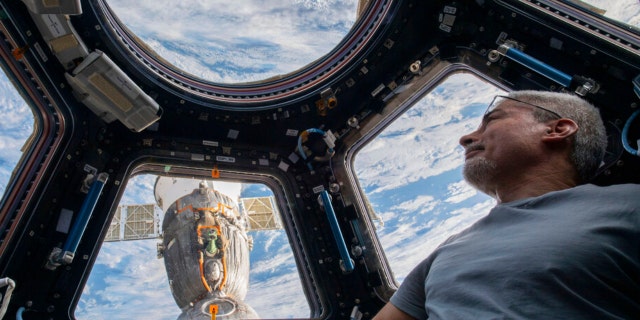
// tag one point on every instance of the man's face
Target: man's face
(507, 140)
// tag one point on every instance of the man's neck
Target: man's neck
(536, 183)
(529, 189)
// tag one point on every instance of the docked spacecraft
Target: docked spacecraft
(206, 250)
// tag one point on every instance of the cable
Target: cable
(625, 132)
(303, 135)
(7, 296)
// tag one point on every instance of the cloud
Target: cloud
(460, 191)
(130, 283)
(274, 274)
(405, 253)
(421, 204)
(242, 41)
(139, 190)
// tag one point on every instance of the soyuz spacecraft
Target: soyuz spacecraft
(205, 248)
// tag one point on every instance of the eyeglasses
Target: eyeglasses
(498, 100)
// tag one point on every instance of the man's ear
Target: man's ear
(559, 130)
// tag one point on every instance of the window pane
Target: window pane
(129, 282)
(412, 172)
(238, 41)
(15, 129)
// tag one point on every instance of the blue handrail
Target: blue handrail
(337, 234)
(537, 66)
(79, 226)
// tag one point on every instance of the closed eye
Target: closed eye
(492, 115)
(488, 118)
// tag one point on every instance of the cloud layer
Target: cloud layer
(239, 41)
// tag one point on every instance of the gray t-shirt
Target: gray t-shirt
(569, 254)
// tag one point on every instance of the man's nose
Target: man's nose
(468, 139)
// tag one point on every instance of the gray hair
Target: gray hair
(589, 143)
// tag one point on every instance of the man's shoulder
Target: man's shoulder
(609, 189)
(594, 195)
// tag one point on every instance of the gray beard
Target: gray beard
(478, 171)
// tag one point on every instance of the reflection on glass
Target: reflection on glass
(128, 281)
(238, 41)
(412, 172)
(15, 129)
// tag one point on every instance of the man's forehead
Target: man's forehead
(508, 106)
(511, 106)
(511, 103)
